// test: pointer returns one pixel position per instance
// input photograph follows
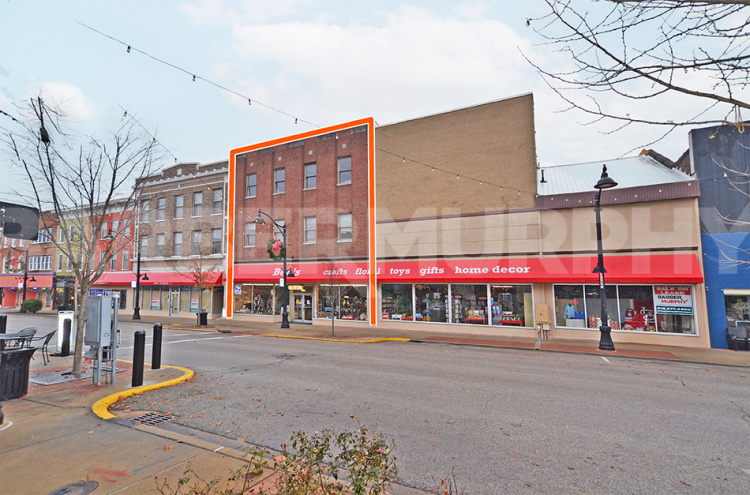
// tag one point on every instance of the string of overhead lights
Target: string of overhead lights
(196, 77)
(296, 119)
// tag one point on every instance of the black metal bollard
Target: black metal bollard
(156, 348)
(67, 325)
(138, 351)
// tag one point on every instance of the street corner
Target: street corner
(166, 376)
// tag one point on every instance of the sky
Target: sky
(319, 62)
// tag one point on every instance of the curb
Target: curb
(373, 341)
(101, 407)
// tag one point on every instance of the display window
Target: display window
(347, 302)
(594, 307)
(511, 305)
(431, 302)
(639, 308)
(469, 304)
(396, 302)
(255, 299)
(737, 310)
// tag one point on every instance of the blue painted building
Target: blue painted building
(720, 159)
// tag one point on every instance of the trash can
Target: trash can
(202, 319)
(14, 372)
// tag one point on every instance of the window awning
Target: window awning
(154, 278)
(11, 281)
(673, 268)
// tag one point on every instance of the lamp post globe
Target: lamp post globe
(605, 336)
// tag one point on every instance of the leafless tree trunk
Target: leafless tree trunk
(78, 182)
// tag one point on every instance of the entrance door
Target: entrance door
(174, 302)
(303, 307)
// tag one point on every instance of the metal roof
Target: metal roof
(636, 171)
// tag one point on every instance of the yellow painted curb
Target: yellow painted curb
(101, 407)
(373, 341)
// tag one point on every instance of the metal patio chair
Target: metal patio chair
(45, 340)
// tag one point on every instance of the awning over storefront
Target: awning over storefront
(154, 278)
(678, 268)
(11, 281)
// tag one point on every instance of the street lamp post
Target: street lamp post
(605, 337)
(137, 308)
(285, 289)
(26, 277)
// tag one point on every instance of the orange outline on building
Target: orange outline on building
(229, 279)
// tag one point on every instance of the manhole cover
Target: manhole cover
(152, 419)
(80, 488)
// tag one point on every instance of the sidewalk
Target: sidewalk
(365, 333)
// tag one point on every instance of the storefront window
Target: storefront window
(432, 302)
(674, 309)
(570, 310)
(185, 298)
(594, 306)
(353, 301)
(737, 310)
(637, 308)
(397, 301)
(256, 299)
(511, 305)
(469, 304)
(155, 302)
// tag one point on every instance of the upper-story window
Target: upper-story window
(311, 175)
(279, 180)
(217, 194)
(177, 244)
(144, 245)
(113, 262)
(345, 170)
(178, 206)
(161, 208)
(310, 230)
(197, 204)
(196, 242)
(216, 245)
(252, 184)
(115, 226)
(126, 259)
(159, 244)
(104, 231)
(42, 236)
(145, 207)
(250, 234)
(345, 227)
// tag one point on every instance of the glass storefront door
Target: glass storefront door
(303, 309)
(174, 302)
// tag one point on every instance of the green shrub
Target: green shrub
(32, 305)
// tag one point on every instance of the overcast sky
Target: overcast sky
(323, 62)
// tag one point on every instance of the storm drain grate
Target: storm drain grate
(152, 419)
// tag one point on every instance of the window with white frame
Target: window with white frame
(104, 231)
(42, 236)
(60, 262)
(159, 244)
(279, 180)
(311, 175)
(126, 259)
(178, 206)
(197, 204)
(161, 208)
(217, 195)
(196, 241)
(144, 245)
(250, 234)
(177, 244)
(113, 262)
(115, 226)
(216, 244)
(345, 226)
(310, 230)
(145, 205)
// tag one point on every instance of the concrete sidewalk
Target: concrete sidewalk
(364, 333)
(51, 439)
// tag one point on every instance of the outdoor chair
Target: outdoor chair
(24, 337)
(44, 339)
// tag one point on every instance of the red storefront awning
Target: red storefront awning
(154, 278)
(11, 281)
(677, 268)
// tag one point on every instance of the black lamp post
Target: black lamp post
(605, 337)
(137, 308)
(285, 289)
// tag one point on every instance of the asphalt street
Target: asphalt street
(504, 421)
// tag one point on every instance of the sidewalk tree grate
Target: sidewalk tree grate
(152, 419)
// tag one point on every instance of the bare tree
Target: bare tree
(642, 50)
(79, 183)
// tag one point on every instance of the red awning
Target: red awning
(40, 281)
(677, 268)
(154, 278)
